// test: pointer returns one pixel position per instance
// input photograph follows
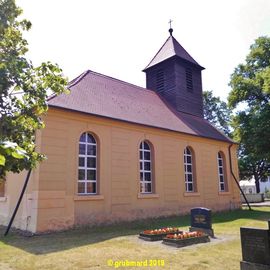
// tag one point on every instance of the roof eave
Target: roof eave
(174, 56)
(135, 123)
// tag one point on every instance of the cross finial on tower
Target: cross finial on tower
(170, 22)
(170, 30)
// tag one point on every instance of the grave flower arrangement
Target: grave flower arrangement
(185, 235)
(166, 230)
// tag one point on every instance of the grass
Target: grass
(91, 248)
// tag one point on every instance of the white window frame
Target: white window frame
(221, 176)
(187, 173)
(143, 182)
(85, 167)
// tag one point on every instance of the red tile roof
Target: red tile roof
(100, 95)
(171, 48)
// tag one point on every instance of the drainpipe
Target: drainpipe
(18, 203)
(237, 183)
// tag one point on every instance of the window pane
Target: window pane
(141, 145)
(190, 187)
(222, 187)
(189, 168)
(188, 151)
(81, 161)
(147, 176)
(83, 137)
(141, 176)
(81, 174)
(90, 138)
(91, 162)
(189, 177)
(188, 159)
(91, 188)
(146, 155)
(91, 175)
(82, 149)
(220, 170)
(220, 162)
(147, 166)
(141, 166)
(146, 146)
(221, 178)
(141, 155)
(148, 187)
(81, 187)
(91, 150)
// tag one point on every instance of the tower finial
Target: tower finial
(170, 30)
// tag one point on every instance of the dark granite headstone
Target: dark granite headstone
(201, 219)
(255, 248)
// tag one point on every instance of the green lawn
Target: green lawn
(91, 248)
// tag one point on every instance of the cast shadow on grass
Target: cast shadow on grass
(59, 241)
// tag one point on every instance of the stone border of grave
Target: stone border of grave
(152, 237)
(186, 242)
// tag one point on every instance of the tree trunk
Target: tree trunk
(257, 183)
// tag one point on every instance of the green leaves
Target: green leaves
(216, 112)
(2, 160)
(12, 149)
(24, 90)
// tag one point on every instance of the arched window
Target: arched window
(87, 170)
(146, 185)
(221, 172)
(189, 170)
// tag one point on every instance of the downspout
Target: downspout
(18, 203)
(235, 179)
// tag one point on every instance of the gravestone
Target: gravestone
(201, 220)
(255, 248)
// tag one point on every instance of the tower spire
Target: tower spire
(170, 30)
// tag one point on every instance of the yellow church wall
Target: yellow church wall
(60, 207)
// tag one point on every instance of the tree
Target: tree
(23, 93)
(251, 162)
(250, 84)
(216, 112)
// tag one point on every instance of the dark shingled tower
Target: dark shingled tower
(176, 76)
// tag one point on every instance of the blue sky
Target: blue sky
(119, 37)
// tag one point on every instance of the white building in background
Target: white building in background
(265, 186)
(249, 187)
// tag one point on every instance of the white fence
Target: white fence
(253, 198)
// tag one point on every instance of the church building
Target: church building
(119, 152)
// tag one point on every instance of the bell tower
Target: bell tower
(176, 76)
